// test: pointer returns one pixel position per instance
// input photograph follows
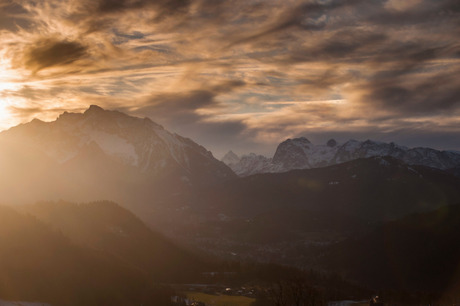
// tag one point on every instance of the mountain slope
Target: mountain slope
(109, 228)
(419, 252)
(40, 264)
(377, 188)
(282, 217)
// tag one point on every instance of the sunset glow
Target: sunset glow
(205, 68)
(4, 115)
(229, 152)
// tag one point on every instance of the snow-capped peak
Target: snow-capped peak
(132, 141)
(300, 153)
(230, 158)
(331, 143)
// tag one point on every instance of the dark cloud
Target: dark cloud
(410, 55)
(323, 84)
(362, 31)
(219, 135)
(163, 15)
(48, 53)
(13, 16)
(438, 92)
(180, 109)
(428, 13)
(164, 6)
(179, 112)
(117, 5)
(395, 75)
(344, 46)
(303, 16)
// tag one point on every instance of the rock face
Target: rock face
(99, 154)
(331, 143)
(251, 164)
(292, 153)
(230, 158)
(300, 153)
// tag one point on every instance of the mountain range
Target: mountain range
(168, 179)
(101, 154)
(374, 189)
(307, 197)
(300, 153)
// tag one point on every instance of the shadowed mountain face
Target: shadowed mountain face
(111, 229)
(279, 216)
(38, 263)
(101, 155)
(419, 252)
(374, 189)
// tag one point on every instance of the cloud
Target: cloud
(164, 6)
(47, 53)
(182, 108)
(13, 16)
(190, 113)
(169, 15)
(401, 5)
(343, 46)
(437, 92)
(179, 108)
(393, 64)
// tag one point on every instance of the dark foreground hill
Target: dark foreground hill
(92, 254)
(109, 228)
(419, 253)
(39, 264)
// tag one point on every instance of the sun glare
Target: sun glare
(5, 114)
(7, 85)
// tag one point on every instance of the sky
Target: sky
(241, 74)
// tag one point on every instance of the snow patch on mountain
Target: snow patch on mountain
(251, 164)
(114, 145)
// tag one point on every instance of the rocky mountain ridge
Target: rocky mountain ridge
(97, 154)
(300, 153)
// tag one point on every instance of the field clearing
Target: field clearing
(220, 300)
